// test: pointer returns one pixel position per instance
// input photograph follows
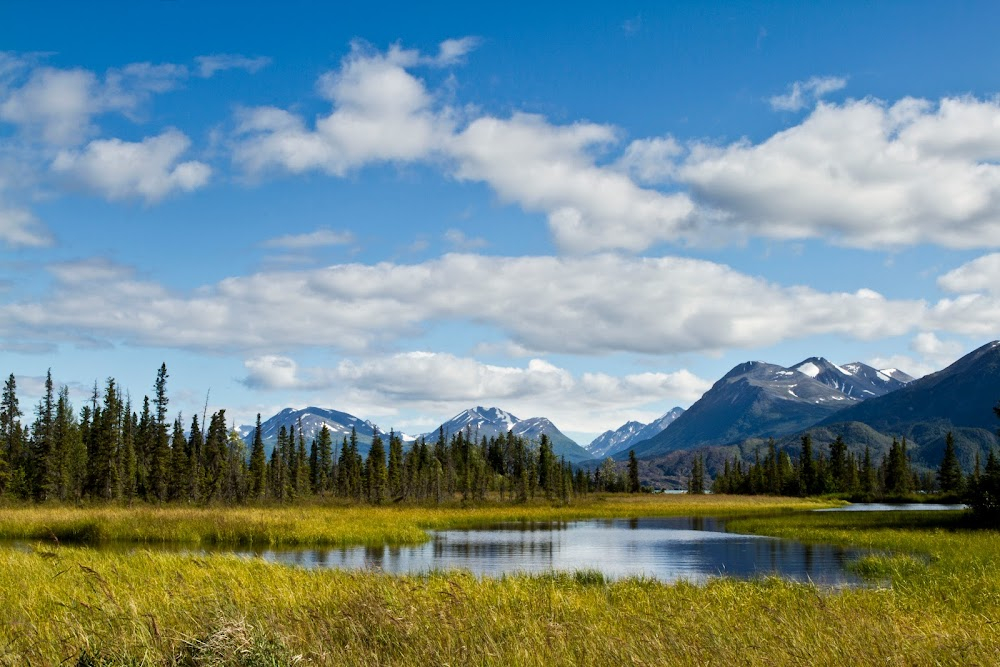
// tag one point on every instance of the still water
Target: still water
(689, 549)
(897, 507)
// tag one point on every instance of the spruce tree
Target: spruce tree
(807, 467)
(949, 474)
(395, 471)
(838, 465)
(258, 465)
(633, 472)
(42, 446)
(10, 433)
(324, 461)
(376, 472)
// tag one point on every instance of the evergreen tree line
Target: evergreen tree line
(112, 451)
(838, 471)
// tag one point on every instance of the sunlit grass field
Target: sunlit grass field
(934, 598)
(344, 525)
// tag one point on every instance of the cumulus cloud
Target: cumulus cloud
(551, 169)
(149, 169)
(209, 66)
(19, 228)
(272, 371)
(59, 104)
(651, 161)
(316, 239)
(862, 174)
(804, 93)
(444, 382)
(930, 346)
(590, 305)
(980, 275)
(975, 308)
(453, 51)
(931, 354)
(382, 113)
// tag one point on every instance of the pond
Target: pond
(894, 507)
(667, 549)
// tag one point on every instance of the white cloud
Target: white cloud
(446, 383)
(149, 169)
(916, 368)
(210, 65)
(271, 371)
(19, 228)
(980, 275)
(382, 113)
(307, 241)
(862, 174)
(589, 305)
(932, 354)
(975, 308)
(458, 240)
(651, 161)
(453, 51)
(804, 93)
(551, 169)
(60, 103)
(930, 346)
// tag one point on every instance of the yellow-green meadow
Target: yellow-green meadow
(934, 597)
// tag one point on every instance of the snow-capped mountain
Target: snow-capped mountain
(491, 422)
(856, 380)
(479, 421)
(310, 421)
(897, 374)
(757, 399)
(610, 443)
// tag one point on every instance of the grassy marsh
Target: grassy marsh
(152, 607)
(344, 525)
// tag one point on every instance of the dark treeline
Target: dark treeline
(835, 470)
(818, 471)
(113, 450)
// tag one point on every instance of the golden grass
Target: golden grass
(157, 608)
(343, 525)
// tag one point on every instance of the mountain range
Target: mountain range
(758, 399)
(610, 443)
(478, 422)
(753, 403)
(491, 422)
(309, 421)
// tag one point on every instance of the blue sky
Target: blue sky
(585, 213)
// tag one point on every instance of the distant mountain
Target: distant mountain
(491, 422)
(960, 396)
(855, 380)
(610, 443)
(311, 420)
(958, 399)
(755, 399)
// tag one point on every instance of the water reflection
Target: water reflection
(898, 507)
(669, 549)
(691, 549)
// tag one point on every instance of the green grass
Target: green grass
(343, 525)
(935, 601)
